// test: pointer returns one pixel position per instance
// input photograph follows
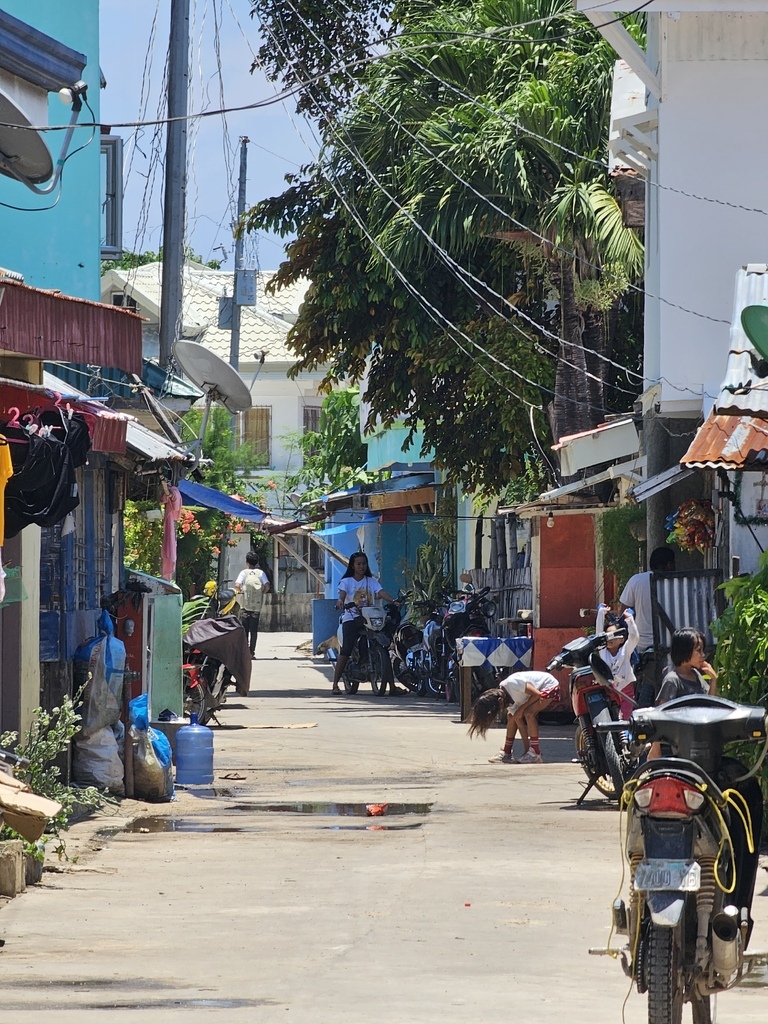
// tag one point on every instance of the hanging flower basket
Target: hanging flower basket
(692, 526)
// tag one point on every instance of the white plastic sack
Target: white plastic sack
(96, 762)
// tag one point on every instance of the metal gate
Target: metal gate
(680, 599)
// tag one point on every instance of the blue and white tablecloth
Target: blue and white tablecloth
(513, 652)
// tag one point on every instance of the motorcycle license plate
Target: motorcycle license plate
(667, 875)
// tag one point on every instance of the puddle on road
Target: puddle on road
(376, 816)
(359, 810)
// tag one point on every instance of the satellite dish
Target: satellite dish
(220, 381)
(21, 149)
(754, 320)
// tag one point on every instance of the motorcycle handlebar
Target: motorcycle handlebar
(619, 726)
(10, 758)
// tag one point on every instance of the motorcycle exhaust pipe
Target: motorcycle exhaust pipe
(726, 942)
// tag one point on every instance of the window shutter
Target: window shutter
(256, 431)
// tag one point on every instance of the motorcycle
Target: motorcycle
(216, 652)
(469, 613)
(407, 655)
(370, 658)
(693, 825)
(608, 759)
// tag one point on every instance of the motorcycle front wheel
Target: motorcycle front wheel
(604, 783)
(381, 670)
(665, 976)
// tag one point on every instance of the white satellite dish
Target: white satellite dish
(22, 152)
(218, 380)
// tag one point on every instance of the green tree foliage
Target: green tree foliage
(334, 456)
(430, 132)
(131, 260)
(42, 745)
(741, 655)
(224, 461)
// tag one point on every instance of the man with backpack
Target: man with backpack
(252, 584)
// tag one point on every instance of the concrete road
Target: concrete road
(477, 905)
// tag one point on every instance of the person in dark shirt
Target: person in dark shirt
(691, 672)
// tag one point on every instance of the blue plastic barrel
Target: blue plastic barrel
(194, 754)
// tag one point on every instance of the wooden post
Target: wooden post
(465, 684)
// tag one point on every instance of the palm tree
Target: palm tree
(503, 137)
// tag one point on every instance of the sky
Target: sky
(133, 43)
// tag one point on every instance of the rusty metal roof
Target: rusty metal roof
(729, 442)
(47, 325)
(744, 390)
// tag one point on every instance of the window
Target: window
(311, 418)
(126, 301)
(311, 425)
(111, 197)
(256, 431)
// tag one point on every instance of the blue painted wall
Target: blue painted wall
(60, 247)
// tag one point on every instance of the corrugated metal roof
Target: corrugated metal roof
(137, 437)
(729, 442)
(743, 390)
(47, 325)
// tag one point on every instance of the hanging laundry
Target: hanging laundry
(43, 488)
(172, 500)
(6, 472)
(72, 429)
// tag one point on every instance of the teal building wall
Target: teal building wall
(57, 244)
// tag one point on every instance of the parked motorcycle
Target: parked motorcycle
(408, 655)
(608, 759)
(370, 658)
(469, 613)
(217, 653)
(693, 825)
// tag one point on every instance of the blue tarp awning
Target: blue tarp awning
(332, 531)
(209, 497)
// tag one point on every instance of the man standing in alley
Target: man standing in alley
(637, 595)
(252, 584)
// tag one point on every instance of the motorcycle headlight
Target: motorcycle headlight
(489, 609)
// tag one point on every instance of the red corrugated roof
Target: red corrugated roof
(47, 325)
(729, 442)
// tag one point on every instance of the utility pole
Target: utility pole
(238, 297)
(174, 210)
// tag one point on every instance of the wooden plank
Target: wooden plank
(418, 496)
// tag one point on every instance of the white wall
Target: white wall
(711, 143)
(287, 399)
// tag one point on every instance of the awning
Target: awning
(729, 442)
(605, 443)
(660, 482)
(107, 428)
(333, 531)
(626, 471)
(209, 497)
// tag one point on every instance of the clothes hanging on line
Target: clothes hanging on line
(43, 488)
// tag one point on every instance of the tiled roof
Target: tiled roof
(263, 327)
